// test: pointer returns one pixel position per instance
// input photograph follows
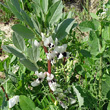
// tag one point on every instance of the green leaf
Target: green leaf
(27, 18)
(23, 31)
(4, 47)
(108, 107)
(37, 108)
(1, 97)
(106, 33)
(26, 103)
(18, 42)
(64, 28)
(106, 86)
(35, 25)
(97, 25)
(44, 5)
(85, 97)
(14, 10)
(15, 51)
(86, 26)
(93, 43)
(85, 53)
(34, 53)
(28, 64)
(80, 98)
(37, 7)
(93, 15)
(54, 12)
(16, 4)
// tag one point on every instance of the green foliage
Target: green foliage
(18, 42)
(87, 67)
(65, 27)
(23, 31)
(26, 103)
(54, 13)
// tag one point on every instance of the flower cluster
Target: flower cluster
(54, 50)
(50, 78)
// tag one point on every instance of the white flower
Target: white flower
(52, 61)
(59, 55)
(15, 68)
(50, 55)
(36, 82)
(36, 43)
(63, 105)
(48, 42)
(50, 77)
(56, 41)
(13, 101)
(72, 101)
(43, 37)
(60, 49)
(52, 85)
(40, 79)
(40, 75)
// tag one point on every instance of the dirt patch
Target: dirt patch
(2, 75)
(7, 29)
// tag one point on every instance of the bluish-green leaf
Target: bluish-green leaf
(34, 53)
(28, 64)
(54, 12)
(18, 41)
(4, 47)
(44, 5)
(35, 25)
(27, 18)
(14, 10)
(26, 103)
(64, 28)
(23, 31)
(16, 4)
(15, 51)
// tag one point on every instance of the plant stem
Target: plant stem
(45, 49)
(64, 61)
(49, 66)
(5, 93)
(49, 62)
(87, 6)
(100, 74)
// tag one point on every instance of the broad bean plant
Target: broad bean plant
(48, 67)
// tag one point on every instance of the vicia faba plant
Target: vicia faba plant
(37, 39)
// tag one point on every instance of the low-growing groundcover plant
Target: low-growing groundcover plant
(50, 69)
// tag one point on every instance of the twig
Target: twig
(49, 66)
(5, 93)
(49, 62)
